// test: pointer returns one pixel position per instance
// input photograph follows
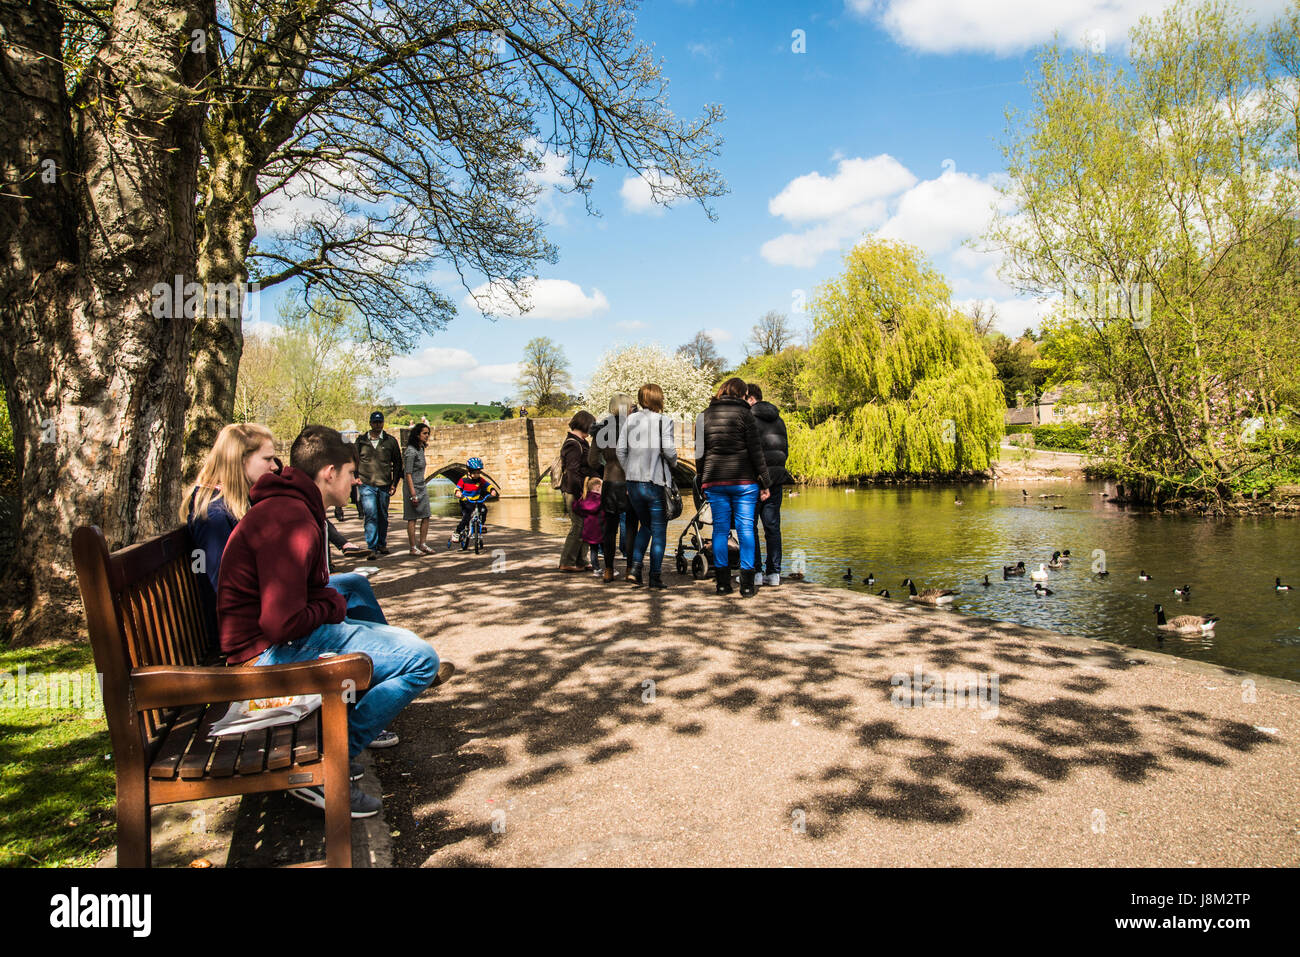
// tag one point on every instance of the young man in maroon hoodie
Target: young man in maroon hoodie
(275, 606)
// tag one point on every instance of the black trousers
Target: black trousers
(768, 514)
(613, 497)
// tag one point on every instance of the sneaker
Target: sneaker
(355, 771)
(386, 739)
(382, 550)
(772, 579)
(363, 805)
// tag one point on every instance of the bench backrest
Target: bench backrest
(145, 605)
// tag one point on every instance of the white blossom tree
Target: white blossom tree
(687, 390)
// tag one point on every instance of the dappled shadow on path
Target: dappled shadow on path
(568, 670)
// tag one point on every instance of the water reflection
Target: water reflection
(897, 533)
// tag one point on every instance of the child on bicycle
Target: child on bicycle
(593, 519)
(473, 490)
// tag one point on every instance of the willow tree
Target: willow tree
(898, 381)
(100, 113)
(410, 134)
(1159, 203)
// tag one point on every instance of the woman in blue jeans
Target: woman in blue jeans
(647, 451)
(734, 478)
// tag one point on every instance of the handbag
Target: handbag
(672, 497)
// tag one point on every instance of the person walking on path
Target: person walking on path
(603, 456)
(576, 471)
(379, 466)
(647, 451)
(734, 478)
(593, 520)
(776, 449)
(415, 507)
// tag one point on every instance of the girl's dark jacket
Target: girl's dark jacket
(731, 451)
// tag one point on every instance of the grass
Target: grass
(56, 788)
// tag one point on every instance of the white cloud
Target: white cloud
(1014, 316)
(449, 375)
(630, 324)
(719, 335)
(804, 249)
(1004, 27)
(639, 192)
(939, 214)
(549, 299)
(551, 202)
(814, 197)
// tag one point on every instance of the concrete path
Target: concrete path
(596, 724)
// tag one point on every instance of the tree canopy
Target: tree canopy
(897, 380)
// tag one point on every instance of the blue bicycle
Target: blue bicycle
(473, 533)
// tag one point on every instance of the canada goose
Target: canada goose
(1186, 624)
(1041, 589)
(1024, 493)
(1277, 584)
(931, 596)
(986, 581)
(1039, 575)
(1017, 569)
(1056, 561)
(883, 593)
(848, 575)
(1143, 576)
(871, 579)
(1184, 591)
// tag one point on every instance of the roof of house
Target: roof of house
(1020, 416)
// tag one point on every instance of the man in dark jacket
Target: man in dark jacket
(275, 605)
(602, 456)
(776, 449)
(379, 467)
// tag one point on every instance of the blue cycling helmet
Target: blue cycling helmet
(475, 463)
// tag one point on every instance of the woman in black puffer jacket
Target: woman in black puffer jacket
(734, 478)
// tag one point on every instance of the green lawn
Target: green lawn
(56, 787)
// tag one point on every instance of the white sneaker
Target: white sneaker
(772, 579)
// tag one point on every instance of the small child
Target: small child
(593, 519)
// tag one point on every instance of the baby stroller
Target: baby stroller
(695, 544)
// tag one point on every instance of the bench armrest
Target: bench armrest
(169, 686)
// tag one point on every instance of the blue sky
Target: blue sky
(888, 123)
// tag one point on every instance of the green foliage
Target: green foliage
(777, 375)
(898, 382)
(1166, 192)
(1065, 437)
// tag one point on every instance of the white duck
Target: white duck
(1040, 573)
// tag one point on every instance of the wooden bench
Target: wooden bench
(164, 684)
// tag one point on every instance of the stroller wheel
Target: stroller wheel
(699, 568)
(681, 564)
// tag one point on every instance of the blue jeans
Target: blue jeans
(374, 507)
(647, 501)
(733, 504)
(769, 513)
(404, 665)
(362, 603)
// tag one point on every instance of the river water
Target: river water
(919, 532)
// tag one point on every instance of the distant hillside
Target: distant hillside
(466, 411)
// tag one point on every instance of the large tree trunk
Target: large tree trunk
(94, 379)
(225, 237)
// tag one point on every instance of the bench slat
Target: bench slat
(195, 763)
(253, 758)
(225, 756)
(306, 745)
(281, 755)
(176, 742)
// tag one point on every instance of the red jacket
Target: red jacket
(593, 519)
(274, 581)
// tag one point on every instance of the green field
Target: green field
(434, 411)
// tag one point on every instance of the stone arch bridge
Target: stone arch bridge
(516, 453)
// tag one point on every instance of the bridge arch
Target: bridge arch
(454, 471)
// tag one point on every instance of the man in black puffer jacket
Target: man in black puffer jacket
(776, 449)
